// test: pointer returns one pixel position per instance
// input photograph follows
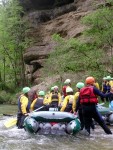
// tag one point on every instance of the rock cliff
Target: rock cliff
(43, 4)
(62, 19)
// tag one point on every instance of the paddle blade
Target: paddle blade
(10, 122)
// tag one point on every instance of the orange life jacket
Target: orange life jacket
(87, 95)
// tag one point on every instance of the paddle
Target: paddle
(5, 115)
(12, 122)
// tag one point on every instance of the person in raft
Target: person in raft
(23, 107)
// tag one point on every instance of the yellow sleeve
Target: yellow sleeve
(75, 99)
(64, 103)
(24, 103)
(111, 83)
(46, 101)
(32, 105)
(47, 95)
(97, 85)
(49, 99)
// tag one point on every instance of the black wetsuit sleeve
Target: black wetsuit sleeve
(99, 93)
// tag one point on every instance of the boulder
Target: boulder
(34, 58)
(35, 53)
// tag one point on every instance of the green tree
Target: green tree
(13, 41)
(100, 32)
(93, 55)
(72, 56)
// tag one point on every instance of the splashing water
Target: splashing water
(18, 139)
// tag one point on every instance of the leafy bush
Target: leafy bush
(13, 41)
(94, 56)
(8, 98)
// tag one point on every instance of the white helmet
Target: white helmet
(67, 81)
(69, 89)
(55, 87)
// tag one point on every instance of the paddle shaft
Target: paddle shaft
(38, 109)
(13, 121)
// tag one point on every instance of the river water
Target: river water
(18, 139)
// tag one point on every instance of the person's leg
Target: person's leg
(18, 124)
(98, 118)
(102, 99)
(81, 118)
(22, 121)
(87, 117)
(92, 124)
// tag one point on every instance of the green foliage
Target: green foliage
(110, 1)
(94, 57)
(100, 31)
(13, 41)
(8, 98)
(101, 26)
(73, 56)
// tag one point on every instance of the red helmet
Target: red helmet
(90, 80)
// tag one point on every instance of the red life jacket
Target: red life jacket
(64, 91)
(87, 95)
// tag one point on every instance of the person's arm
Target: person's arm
(99, 93)
(24, 103)
(32, 105)
(64, 103)
(75, 101)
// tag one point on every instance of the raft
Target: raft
(52, 122)
(103, 110)
(107, 114)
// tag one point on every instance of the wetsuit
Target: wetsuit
(104, 90)
(55, 100)
(38, 103)
(68, 104)
(23, 109)
(79, 109)
(90, 111)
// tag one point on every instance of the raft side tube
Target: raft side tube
(73, 127)
(32, 126)
(104, 110)
(47, 116)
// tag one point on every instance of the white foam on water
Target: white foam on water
(18, 139)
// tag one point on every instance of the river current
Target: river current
(18, 139)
